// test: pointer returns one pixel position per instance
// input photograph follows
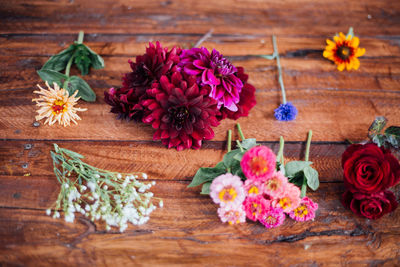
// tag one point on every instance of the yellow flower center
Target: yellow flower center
(284, 203)
(228, 194)
(253, 190)
(270, 219)
(272, 184)
(258, 165)
(58, 107)
(301, 211)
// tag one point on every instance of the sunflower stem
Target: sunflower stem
(278, 63)
(240, 131)
(351, 32)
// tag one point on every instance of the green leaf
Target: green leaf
(297, 179)
(59, 62)
(270, 57)
(312, 177)
(82, 59)
(205, 190)
(229, 158)
(249, 143)
(84, 91)
(376, 127)
(379, 139)
(239, 156)
(280, 167)
(52, 77)
(206, 175)
(72, 154)
(97, 61)
(293, 167)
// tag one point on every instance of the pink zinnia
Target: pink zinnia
(253, 188)
(275, 186)
(305, 211)
(258, 163)
(272, 217)
(255, 206)
(227, 189)
(289, 200)
(232, 214)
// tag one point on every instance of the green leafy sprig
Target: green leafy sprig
(298, 172)
(83, 57)
(390, 137)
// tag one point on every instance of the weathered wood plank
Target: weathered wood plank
(333, 115)
(187, 231)
(111, 45)
(244, 17)
(18, 158)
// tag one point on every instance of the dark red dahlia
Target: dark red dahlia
(180, 111)
(247, 99)
(148, 68)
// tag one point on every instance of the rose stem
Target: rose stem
(278, 63)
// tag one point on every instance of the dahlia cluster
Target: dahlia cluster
(265, 196)
(182, 94)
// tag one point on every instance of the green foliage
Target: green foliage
(390, 137)
(83, 57)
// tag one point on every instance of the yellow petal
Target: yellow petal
(360, 52)
(349, 65)
(356, 63)
(327, 54)
(342, 36)
(330, 42)
(355, 42)
(336, 39)
(341, 66)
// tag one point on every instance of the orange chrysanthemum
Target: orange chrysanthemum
(344, 51)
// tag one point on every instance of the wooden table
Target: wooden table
(335, 105)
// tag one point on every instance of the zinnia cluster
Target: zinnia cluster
(368, 172)
(266, 195)
(182, 94)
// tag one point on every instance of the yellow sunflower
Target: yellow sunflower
(56, 105)
(344, 51)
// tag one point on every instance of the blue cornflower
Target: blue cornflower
(286, 112)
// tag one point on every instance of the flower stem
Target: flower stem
(278, 63)
(204, 37)
(240, 131)
(308, 145)
(280, 153)
(229, 144)
(307, 155)
(239, 145)
(68, 68)
(80, 37)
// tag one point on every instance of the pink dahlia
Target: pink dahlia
(272, 217)
(253, 188)
(289, 200)
(227, 189)
(217, 72)
(232, 214)
(275, 186)
(258, 163)
(157, 61)
(305, 211)
(255, 206)
(247, 99)
(180, 111)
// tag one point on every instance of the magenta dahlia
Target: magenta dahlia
(217, 72)
(180, 111)
(247, 99)
(148, 68)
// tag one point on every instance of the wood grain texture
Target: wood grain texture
(187, 232)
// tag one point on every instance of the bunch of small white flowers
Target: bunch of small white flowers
(113, 197)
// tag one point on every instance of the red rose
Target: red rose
(369, 169)
(371, 206)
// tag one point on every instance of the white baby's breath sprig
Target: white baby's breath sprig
(116, 198)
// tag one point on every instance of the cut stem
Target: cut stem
(280, 152)
(278, 63)
(240, 132)
(80, 37)
(308, 145)
(204, 37)
(229, 144)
